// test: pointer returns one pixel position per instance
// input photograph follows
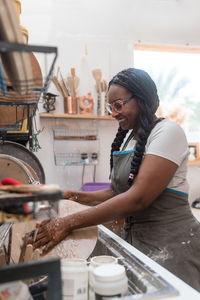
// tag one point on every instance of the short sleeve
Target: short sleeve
(168, 140)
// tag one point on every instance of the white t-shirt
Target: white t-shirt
(168, 140)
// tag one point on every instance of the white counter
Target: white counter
(185, 291)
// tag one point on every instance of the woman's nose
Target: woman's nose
(114, 113)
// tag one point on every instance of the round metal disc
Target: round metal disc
(18, 151)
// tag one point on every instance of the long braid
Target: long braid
(143, 134)
(119, 138)
(142, 87)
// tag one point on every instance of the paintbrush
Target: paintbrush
(58, 86)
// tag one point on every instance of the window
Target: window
(176, 72)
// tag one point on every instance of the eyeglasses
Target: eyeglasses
(117, 105)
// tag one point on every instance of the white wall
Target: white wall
(109, 28)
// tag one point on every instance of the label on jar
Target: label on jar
(75, 290)
(103, 297)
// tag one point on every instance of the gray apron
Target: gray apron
(166, 231)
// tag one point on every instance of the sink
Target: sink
(143, 282)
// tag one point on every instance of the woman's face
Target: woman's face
(128, 116)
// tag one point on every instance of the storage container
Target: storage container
(94, 186)
(74, 274)
(110, 280)
(95, 262)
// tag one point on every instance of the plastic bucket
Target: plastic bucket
(95, 186)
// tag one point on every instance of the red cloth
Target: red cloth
(11, 181)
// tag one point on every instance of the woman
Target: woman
(148, 183)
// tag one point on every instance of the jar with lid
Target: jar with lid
(74, 279)
(110, 280)
(95, 262)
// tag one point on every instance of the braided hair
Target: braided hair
(143, 88)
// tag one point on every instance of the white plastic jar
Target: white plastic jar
(95, 262)
(74, 279)
(110, 280)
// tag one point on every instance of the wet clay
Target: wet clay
(79, 244)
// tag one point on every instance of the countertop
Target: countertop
(185, 291)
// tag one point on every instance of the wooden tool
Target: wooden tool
(64, 86)
(26, 188)
(23, 248)
(59, 86)
(79, 244)
(28, 257)
(97, 76)
(104, 89)
(28, 253)
(62, 83)
(73, 82)
(36, 254)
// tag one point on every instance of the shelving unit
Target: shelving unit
(62, 133)
(36, 90)
(22, 107)
(77, 153)
(71, 116)
(19, 97)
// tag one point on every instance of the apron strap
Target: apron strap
(131, 135)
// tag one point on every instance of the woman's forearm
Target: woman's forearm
(115, 208)
(89, 197)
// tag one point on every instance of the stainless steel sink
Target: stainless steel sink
(143, 282)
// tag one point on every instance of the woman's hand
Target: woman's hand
(50, 233)
(70, 195)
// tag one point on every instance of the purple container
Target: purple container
(95, 186)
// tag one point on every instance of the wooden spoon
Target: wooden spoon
(73, 82)
(97, 76)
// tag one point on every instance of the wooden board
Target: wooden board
(25, 188)
(79, 244)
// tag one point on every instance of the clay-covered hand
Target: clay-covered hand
(50, 233)
(70, 195)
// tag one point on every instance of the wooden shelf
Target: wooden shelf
(69, 116)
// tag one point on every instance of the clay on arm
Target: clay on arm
(154, 175)
(89, 197)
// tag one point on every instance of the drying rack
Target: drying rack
(36, 91)
(77, 154)
(25, 106)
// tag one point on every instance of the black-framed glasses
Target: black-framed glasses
(117, 105)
